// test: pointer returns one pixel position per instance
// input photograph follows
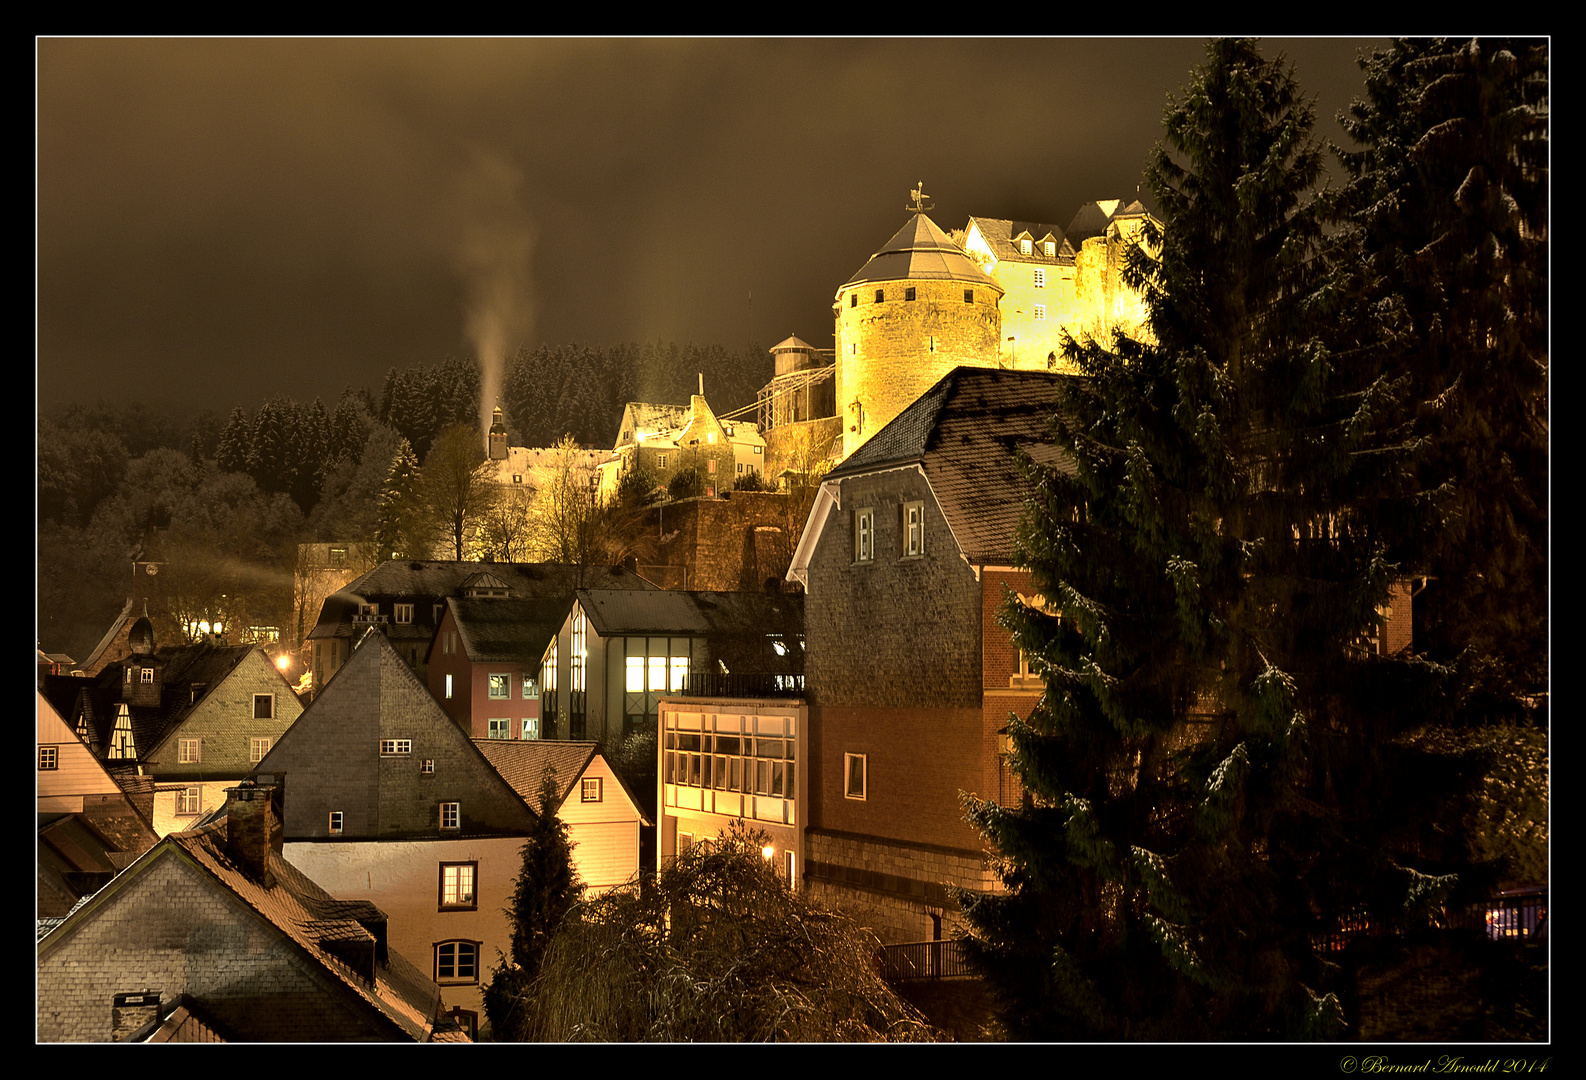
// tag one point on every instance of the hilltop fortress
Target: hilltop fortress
(997, 293)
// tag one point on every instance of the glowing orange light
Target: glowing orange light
(283, 661)
(767, 852)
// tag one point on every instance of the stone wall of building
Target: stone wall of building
(890, 351)
(893, 889)
(169, 930)
(728, 544)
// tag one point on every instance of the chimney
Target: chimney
(131, 1013)
(251, 829)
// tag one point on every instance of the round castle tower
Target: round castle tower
(919, 308)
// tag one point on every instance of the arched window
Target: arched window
(457, 962)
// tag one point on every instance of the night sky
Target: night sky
(222, 221)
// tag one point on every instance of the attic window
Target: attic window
(189, 751)
(589, 790)
(404, 613)
(451, 815)
(427, 767)
(264, 706)
(1050, 248)
(1026, 246)
(395, 747)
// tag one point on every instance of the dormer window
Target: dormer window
(121, 735)
(1050, 248)
(147, 676)
(404, 613)
(1026, 246)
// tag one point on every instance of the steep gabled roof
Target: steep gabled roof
(376, 697)
(964, 434)
(922, 251)
(1002, 237)
(521, 762)
(295, 907)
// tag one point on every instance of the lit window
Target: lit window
(189, 751)
(759, 449)
(189, 801)
(1050, 247)
(660, 461)
(864, 535)
(1026, 246)
(121, 737)
(914, 528)
(457, 885)
(257, 748)
(590, 789)
(498, 728)
(457, 962)
(427, 767)
(148, 676)
(1040, 312)
(710, 466)
(49, 758)
(517, 478)
(338, 556)
(391, 747)
(854, 767)
(1040, 277)
(448, 688)
(657, 673)
(335, 822)
(403, 613)
(264, 706)
(634, 683)
(451, 815)
(500, 687)
(908, 294)
(679, 674)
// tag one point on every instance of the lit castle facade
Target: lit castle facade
(997, 293)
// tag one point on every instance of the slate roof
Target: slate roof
(1093, 218)
(920, 250)
(505, 631)
(964, 433)
(294, 905)
(999, 234)
(694, 614)
(426, 583)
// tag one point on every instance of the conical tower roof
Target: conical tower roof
(920, 250)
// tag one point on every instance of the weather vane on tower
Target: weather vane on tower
(918, 195)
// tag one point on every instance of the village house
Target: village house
(192, 718)
(659, 439)
(214, 932)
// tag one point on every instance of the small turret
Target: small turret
(498, 436)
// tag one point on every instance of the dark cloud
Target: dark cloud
(219, 221)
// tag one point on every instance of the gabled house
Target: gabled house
(907, 555)
(406, 599)
(660, 438)
(388, 799)
(484, 663)
(193, 718)
(602, 814)
(217, 917)
(620, 651)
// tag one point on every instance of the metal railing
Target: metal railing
(924, 960)
(1514, 915)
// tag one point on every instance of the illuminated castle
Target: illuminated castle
(998, 293)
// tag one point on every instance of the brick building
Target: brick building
(907, 555)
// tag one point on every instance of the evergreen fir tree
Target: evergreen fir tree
(399, 533)
(546, 890)
(1443, 253)
(236, 441)
(1207, 775)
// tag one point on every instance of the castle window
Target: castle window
(853, 299)
(1026, 246)
(853, 348)
(880, 295)
(908, 294)
(969, 296)
(1040, 312)
(1040, 277)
